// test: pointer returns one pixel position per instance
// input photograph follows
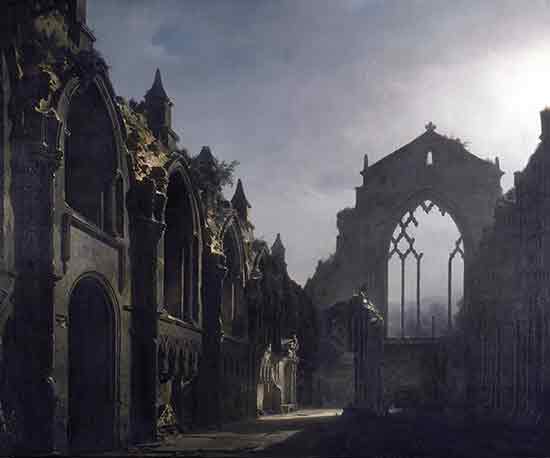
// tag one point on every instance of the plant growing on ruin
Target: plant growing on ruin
(211, 176)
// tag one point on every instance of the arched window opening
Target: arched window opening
(228, 312)
(232, 313)
(429, 158)
(425, 273)
(91, 161)
(179, 255)
(264, 287)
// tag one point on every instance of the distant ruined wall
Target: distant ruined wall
(506, 323)
(460, 183)
(432, 168)
(414, 372)
(335, 380)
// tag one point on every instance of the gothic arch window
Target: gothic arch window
(258, 297)
(232, 310)
(91, 177)
(425, 273)
(261, 269)
(179, 251)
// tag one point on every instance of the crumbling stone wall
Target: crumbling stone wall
(283, 330)
(506, 323)
(461, 184)
(351, 355)
(167, 367)
(369, 355)
(379, 372)
(414, 373)
(435, 168)
(335, 374)
(48, 57)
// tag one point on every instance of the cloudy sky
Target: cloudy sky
(298, 90)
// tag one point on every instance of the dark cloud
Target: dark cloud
(298, 91)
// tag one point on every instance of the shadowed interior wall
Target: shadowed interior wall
(178, 250)
(91, 368)
(90, 161)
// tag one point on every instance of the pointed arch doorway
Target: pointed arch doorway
(92, 363)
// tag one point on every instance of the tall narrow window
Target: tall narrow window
(179, 256)
(90, 159)
(228, 282)
(429, 158)
(232, 315)
(425, 273)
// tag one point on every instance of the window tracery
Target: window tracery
(402, 246)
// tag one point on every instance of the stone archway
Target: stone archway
(234, 317)
(432, 167)
(403, 248)
(93, 168)
(179, 253)
(92, 367)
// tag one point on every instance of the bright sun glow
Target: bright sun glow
(520, 81)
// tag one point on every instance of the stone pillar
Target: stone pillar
(251, 383)
(210, 375)
(294, 366)
(145, 206)
(34, 164)
(256, 347)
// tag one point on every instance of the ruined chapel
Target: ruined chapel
(134, 298)
(137, 301)
(492, 358)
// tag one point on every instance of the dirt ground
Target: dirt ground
(328, 433)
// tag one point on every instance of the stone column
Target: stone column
(294, 366)
(145, 205)
(34, 164)
(256, 347)
(210, 375)
(255, 364)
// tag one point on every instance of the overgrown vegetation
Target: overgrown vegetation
(50, 50)
(44, 59)
(211, 176)
(145, 148)
(459, 141)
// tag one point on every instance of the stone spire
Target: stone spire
(159, 113)
(240, 202)
(157, 89)
(206, 156)
(206, 163)
(278, 249)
